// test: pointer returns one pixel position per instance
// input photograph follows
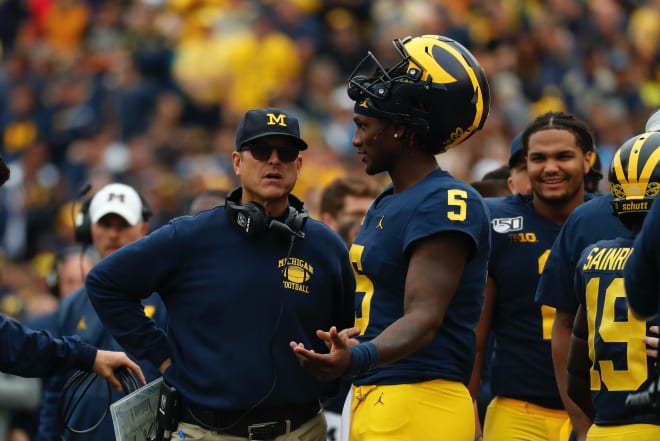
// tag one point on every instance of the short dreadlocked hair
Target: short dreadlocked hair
(560, 121)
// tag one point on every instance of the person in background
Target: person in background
(526, 406)
(239, 281)
(345, 201)
(494, 183)
(518, 180)
(207, 199)
(595, 175)
(607, 358)
(115, 216)
(29, 353)
(69, 269)
(66, 275)
(421, 253)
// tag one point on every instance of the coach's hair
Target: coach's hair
(560, 121)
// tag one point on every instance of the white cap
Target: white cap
(118, 199)
(653, 124)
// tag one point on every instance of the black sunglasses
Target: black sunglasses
(262, 152)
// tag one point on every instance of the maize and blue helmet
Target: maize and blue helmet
(635, 174)
(438, 88)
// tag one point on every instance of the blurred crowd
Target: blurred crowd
(149, 92)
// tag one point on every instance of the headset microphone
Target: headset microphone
(84, 190)
(281, 226)
(80, 221)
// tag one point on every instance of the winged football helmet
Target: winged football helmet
(438, 88)
(635, 174)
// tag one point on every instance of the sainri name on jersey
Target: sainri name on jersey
(607, 259)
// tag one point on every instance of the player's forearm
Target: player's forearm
(561, 337)
(31, 353)
(578, 392)
(482, 333)
(404, 337)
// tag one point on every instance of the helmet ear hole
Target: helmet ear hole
(356, 87)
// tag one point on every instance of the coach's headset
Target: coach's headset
(83, 226)
(252, 220)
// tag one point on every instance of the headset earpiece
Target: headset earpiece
(252, 220)
(147, 213)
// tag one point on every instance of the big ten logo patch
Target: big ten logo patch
(523, 238)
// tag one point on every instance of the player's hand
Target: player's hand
(107, 361)
(347, 334)
(330, 366)
(652, 343)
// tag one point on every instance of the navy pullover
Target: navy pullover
(234, 303)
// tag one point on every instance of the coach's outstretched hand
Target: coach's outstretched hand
(106, 362)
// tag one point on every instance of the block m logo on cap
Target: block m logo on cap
(119, 197)
(279, 119)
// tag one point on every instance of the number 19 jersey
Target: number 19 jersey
(616, 349)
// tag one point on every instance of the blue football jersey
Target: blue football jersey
(589, 223)
(642, 270)
(438, 203)
(616, 349)
(522, 362)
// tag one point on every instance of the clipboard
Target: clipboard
(134, 416)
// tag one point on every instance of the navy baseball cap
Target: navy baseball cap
(595, 172)
(258, 123)
(516, 154)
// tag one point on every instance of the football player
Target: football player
(421, 253)
(607, 358)
(642, 271)
(527, 406)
